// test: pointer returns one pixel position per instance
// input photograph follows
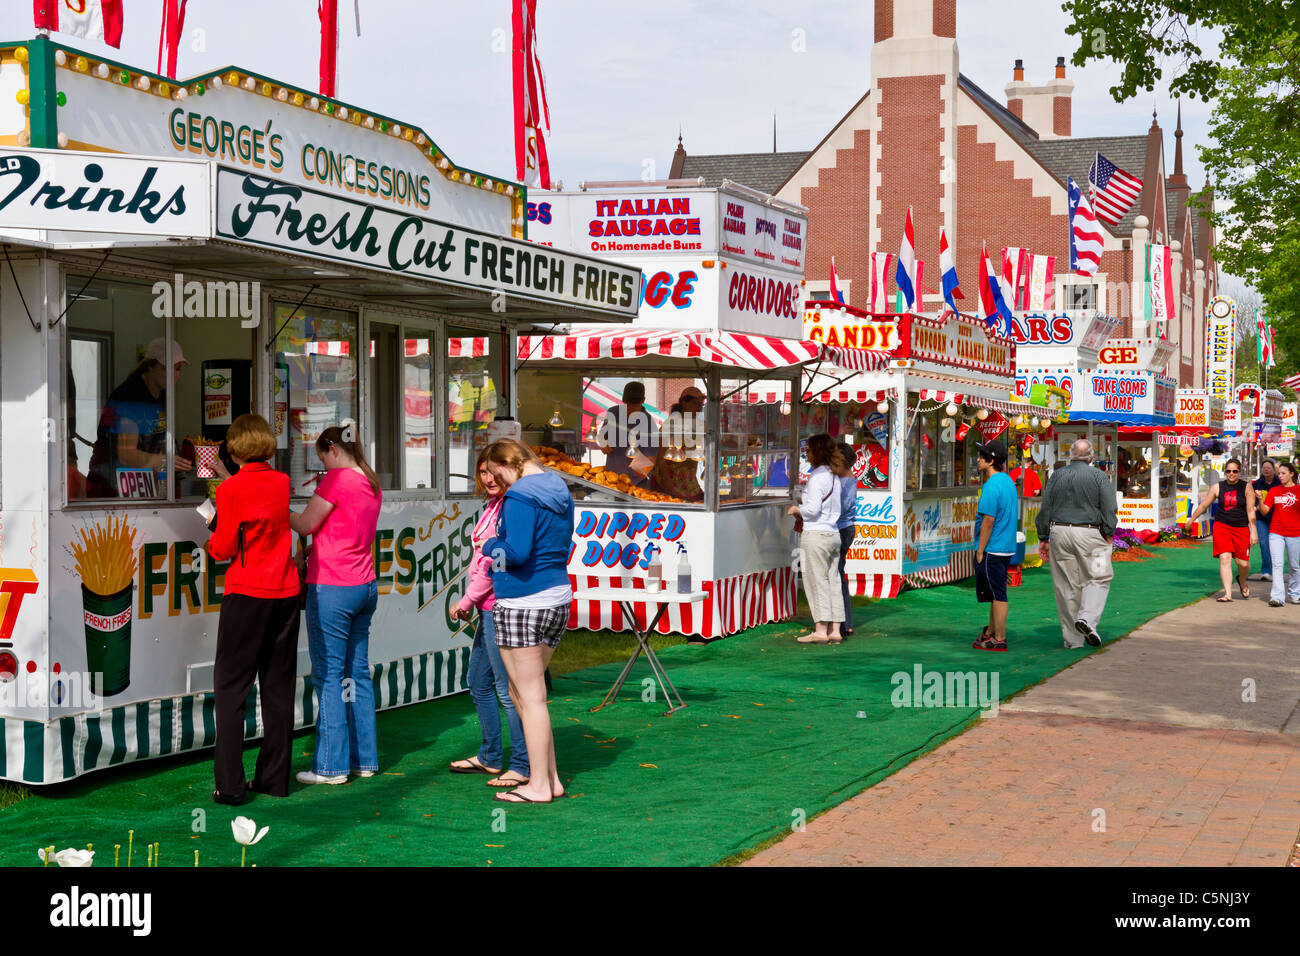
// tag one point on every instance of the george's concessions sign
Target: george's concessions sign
(266, 212)
(89, 192)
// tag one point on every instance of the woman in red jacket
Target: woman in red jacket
(257, 633)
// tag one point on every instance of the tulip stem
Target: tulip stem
(243, 854)
(117, 851)
(156, 848)
(49, 852)
(196, 858)
(130, 845)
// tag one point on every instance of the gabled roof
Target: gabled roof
(766, 172)
(1073, 157)
(1021, 131)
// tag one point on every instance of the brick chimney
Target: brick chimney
(1015, 102)
(1045, 108)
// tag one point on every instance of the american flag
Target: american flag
(1086, 242)
(1293, 382)
(1113, 191)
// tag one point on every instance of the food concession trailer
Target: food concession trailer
(270, 251)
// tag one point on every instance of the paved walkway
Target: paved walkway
(1178, 745)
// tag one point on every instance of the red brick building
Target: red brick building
(926, 136)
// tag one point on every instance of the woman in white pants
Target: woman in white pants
(819, 544)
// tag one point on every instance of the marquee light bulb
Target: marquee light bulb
(282, 95)
(101, 71)
(882, 406)
(982, 414)
(60, 57)
(951, 409)
(216, 82)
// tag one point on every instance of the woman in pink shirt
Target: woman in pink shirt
(488, 681)
(342, 594)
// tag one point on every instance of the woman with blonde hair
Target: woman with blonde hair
(530, 582)
(257, 631)
(342, 594)
(819, 542)
(488, 680)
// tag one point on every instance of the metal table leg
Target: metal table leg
(643, 645)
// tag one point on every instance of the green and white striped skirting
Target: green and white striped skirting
(36, 752)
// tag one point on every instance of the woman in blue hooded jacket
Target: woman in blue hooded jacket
(530, 581)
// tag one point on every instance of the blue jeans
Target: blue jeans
(1286, 550)
(846, 541)
(488, 683)
(338, 639)
(1265, 554)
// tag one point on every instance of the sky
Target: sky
(622, 75)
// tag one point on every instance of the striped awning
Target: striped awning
(731, 349)
(477, 347)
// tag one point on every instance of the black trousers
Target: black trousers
(256, 638)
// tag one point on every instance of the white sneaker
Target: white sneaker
(365, 773)
(1266, 577)
(307, 776)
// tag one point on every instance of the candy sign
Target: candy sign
(831, 323)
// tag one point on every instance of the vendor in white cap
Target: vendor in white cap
(132, 433)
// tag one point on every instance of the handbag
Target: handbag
(798, 519)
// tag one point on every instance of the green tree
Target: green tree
(1253, 158)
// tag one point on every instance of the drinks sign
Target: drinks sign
(56, 189)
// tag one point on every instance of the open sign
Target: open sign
(136, 483)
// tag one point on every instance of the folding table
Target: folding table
(627, 598)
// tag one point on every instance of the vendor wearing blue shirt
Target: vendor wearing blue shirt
(998, 515)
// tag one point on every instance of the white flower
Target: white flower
(244, 830)
(70, 857)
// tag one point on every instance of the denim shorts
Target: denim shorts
(991, 578)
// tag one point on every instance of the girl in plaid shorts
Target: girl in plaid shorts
(530, 580)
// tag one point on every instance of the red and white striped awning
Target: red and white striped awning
(731, 349)
(456, 347)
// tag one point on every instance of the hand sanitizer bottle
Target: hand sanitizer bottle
(654, 572)
(683, 571)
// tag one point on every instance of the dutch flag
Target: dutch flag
(836, 294)
(992, 306)
(907, 265)
(951, 291)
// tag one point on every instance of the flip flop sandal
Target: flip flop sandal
(501, 782)
(1245, 589)
(518, 797)
(835, 640)
(474, 767)
(1223, 600)
(812, 639)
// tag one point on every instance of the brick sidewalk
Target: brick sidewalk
(1024, 789)
(1149, 738)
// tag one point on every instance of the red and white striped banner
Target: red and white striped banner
(875, 585)
(732, 349)
(456, 348)
(732, 605)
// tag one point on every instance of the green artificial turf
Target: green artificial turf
(774, 733)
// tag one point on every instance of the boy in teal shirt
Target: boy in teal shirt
(998, 518)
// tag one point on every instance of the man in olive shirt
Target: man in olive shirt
(1075, 525)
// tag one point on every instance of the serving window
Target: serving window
(315, 353)
(474, 388)
(118, 375)
(754, 443)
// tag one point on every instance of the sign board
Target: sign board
(55, 189)
(619, 541)
(1221, 347)
(1197, 408)
(934, 529)
(831, 323)
(1289, 417)
(267, 212)
(260, 133)
(1070, 338)
(956, 341)
(712, 223)
(1232, 417)
(1109, 395)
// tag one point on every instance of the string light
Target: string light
(216, 82)
(101, 71)
(60, 57)
(882, 406)
(298, 99)
(952, 408)
(81, 65)
(982, 414)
